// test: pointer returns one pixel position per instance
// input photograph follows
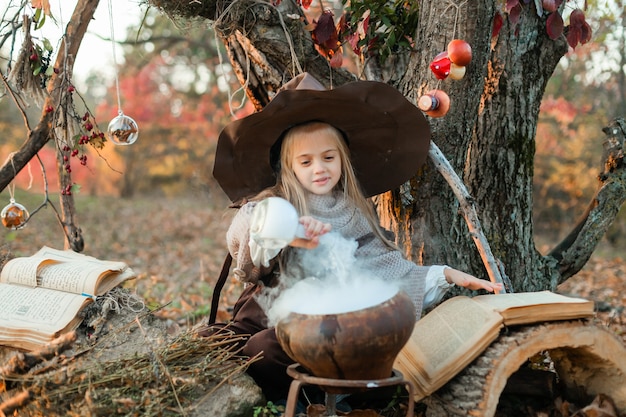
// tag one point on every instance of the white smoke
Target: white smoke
(334, 284)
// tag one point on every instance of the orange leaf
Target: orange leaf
(41, 4)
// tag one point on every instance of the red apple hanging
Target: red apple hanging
(459, 52)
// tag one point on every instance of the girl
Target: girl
(312, 160)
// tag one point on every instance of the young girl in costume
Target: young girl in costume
(325, 151)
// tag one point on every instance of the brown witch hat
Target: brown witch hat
(387, 135)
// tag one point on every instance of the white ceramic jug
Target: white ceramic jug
(275, 223)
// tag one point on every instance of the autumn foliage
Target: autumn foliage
(373, 28)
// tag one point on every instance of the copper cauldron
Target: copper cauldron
(355, 345)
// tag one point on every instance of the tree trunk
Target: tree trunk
(488, 136)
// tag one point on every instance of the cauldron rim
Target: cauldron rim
(364, 309)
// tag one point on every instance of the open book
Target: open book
(41, 295)
(458, 330)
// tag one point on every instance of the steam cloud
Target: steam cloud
(334, 284)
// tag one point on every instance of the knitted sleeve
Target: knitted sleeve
(238, 241)
(390, 265)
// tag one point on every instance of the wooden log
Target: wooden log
(589, 360)
(531, 382)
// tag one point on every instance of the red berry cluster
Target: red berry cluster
(95, 138)
(67, 190)
(90, 135)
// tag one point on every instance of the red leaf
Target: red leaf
(554, 25)
(373, 40)
(573, 36)
(585, 33)
(549, 5)
(332, 44)
(353, 41)
(306, 4)
(511, 4)
(325, 28)
(343, 26)
(579, 30)
(514, 14)
(577, 17)
(497, 24)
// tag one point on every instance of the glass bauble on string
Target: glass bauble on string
(123, 130)
(14, 215)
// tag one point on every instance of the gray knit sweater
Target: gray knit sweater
(371, 255)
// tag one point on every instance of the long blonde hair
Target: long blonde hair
(288, 186)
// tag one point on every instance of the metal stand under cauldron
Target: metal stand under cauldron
(332, 387)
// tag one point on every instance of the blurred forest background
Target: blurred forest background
(155, 205)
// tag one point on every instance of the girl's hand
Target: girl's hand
(313, 229)
(468, 281)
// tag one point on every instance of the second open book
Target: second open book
(456, 332)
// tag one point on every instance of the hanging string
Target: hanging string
(14, 215)
(11, 186)
(117, 82)
(122, 130)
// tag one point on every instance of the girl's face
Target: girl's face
(316, 162)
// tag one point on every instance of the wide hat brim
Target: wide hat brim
(387, 135)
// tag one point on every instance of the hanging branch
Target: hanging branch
(40, 135)
(495, 272)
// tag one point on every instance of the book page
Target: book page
(21, 271)
(37, 310)
(71, 256)
(77, 273)
(66, 271)
(445, 340)
(531, 307)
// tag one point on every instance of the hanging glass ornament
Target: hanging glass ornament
(14, 215)
(123, 130)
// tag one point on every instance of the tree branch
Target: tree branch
(38, 137)
(575, 250)
(494, 268)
